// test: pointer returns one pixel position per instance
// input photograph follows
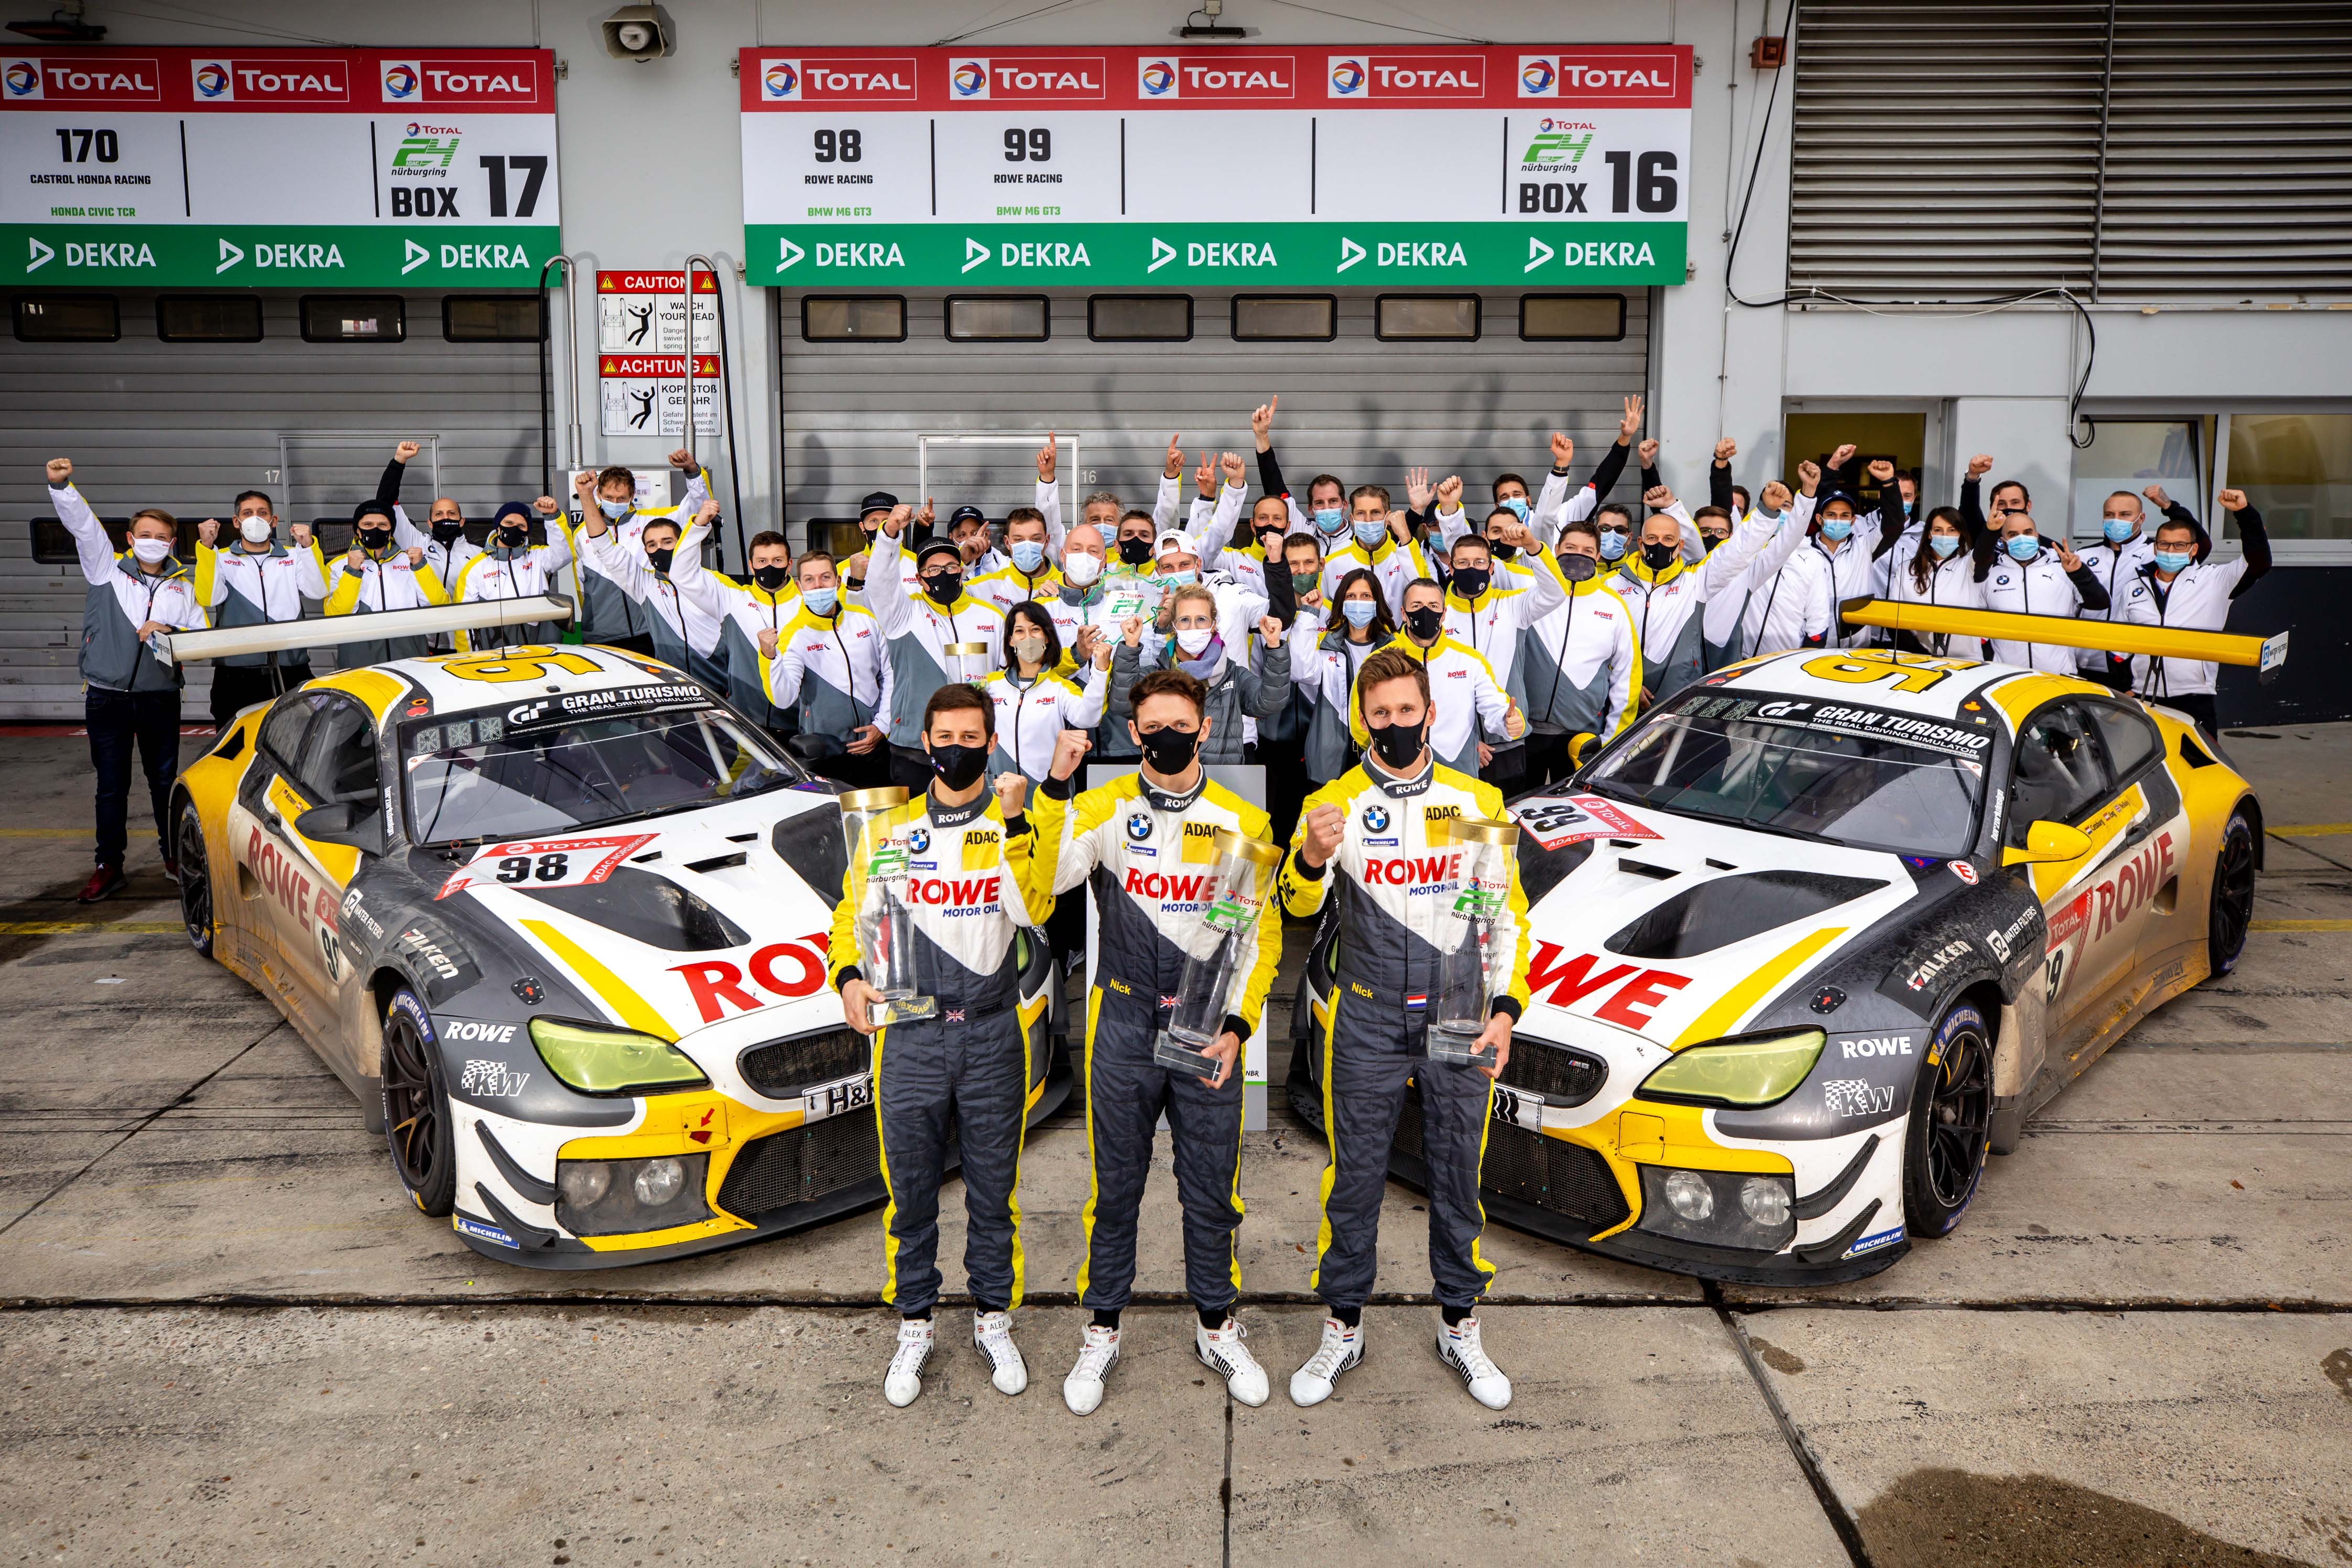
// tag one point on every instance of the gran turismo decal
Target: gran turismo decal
(1634, 990)
(1845, 719)
(491, 1081)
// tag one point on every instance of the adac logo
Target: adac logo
(1536, 76)
(22, 78)
(400, 80)
(920, 841)
(1158, 77)
(1138, 825)
(970, 79)
(782, 80)
(212, 78)
(1376, 818)
(1347, 78)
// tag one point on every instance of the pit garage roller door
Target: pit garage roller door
(186, 426)
(1356, 406)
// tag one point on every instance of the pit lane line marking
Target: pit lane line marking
(2312, 830)
(2299, 925)
(75, 928)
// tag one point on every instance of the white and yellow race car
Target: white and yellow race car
(560, 916)
(1816, 933)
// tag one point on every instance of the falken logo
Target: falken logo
(491, 1081)
(783, 80)
(1935, 963)
(1376, 818)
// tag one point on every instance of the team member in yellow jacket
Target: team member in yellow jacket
(376, 574)
(970, 885)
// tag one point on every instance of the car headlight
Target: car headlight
(1761, 1070)
(611, 1062)
(618, 1197)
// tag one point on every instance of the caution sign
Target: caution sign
(645, 395)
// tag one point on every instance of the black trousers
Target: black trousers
(240, 686)
(117, 720)
(970, 1080)
(1509, 771)
(1287, 786)
(1546, 760)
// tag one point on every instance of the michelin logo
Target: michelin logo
(1883, 1239)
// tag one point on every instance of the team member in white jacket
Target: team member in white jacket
(612, 614)
(685, 625)
(1939, 569)
(1356, 626)
(376, 574)
(2034, 576)
(447, 548)
(920, 627)
(1583, 662)
(2125, 546)
(1555, 507)
(829, 666)
(1380, 543)
(768, 605)
(1470, 714)
(515, 568)
(255, 581)
(1035, 702)
(1837, 564)
(1028, 573)
(1733, 618)
(1668, 594)
(2184, 586)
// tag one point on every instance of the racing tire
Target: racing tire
(416, 1122)
(2230, 912)
(1950, 1126)
(195, 876)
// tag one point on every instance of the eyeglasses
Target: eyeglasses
(1613, 528)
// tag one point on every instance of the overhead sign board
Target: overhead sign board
(285, 168)
(1486, 166)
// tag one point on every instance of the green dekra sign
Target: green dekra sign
(278, 256)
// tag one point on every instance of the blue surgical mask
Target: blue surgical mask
(820, 601)
(615, 510)
(2171, 560)
(2117, 529)
(1906, 509)
(1368, 533)
(1027, 554)
(1836, 527)
(1174, 580)
(1359, 612)
(1517, 505)
(1943, 544)
(2022, 546)
(1330, 520)
(1613, 545)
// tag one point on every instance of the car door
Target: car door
(338, 763)
(261, 842)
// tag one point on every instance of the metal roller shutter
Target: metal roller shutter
(1356, 406)
(2137, 149)
(186, 426)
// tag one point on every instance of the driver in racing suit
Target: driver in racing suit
(1396, 883)
(969, 888)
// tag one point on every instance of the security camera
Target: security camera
(640, 33)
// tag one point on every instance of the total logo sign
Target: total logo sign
(92, 79)
(1244, 78)
(277, 80)
(1601, 76)
(1032, 79)
(1425, 78)
(882, 80)
(456, 81)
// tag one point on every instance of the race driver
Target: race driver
(1147, 842)
(1369, 834)
(970, 885)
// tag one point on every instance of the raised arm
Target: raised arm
(885, 569)
(1718, 475)
(92, 546)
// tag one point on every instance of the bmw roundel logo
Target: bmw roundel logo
(1347, 77)
(1138, 825)
(1159, 76)
(22, 78)
(1535, 76)
(920, 841)
(1376, 818)
(212, 80)
(400, 80)
(970, 76)
(782, 81)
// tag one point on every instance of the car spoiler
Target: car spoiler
(330, 631)
(2263, 655)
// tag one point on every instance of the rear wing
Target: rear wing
(2263, 655)
(330, 631)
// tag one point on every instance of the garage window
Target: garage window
(1140, 317)
(1285, 318)
(1571, 317)
(67, 319)
(997, 318)
(1419, 318)
(864, 318)
(353, 319)
(492, 319)
(208, 318)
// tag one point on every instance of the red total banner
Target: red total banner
(261, 81)
(1324, 77)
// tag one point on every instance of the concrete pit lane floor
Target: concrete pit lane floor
(227, 1337)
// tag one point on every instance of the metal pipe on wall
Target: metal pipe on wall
(725, 394)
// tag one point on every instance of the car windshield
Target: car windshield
(1808, 771)
(470, 777)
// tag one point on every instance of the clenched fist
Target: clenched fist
(60, 470)
(406, 451)
(1562, 449)
(2233, 501)
(1657, 497)
(1649, 452)
(1012, 790)
(1324, 826)
(1070, 749)
(1981, 465)
(1882, 471)
(1725, 450)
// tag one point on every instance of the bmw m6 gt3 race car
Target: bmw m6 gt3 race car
(1816, 933)
(558, 915)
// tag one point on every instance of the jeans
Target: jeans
(116, 720)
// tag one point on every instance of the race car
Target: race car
(558, 917)
(1815, 935)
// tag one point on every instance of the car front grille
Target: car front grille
(802, 1164)
(1562, 1076)
(1564, 1178)
(780, 1069)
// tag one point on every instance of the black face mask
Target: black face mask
(1657, 557)
(959, 767)
(660, 559)
(1424, 623)
(869, 532)
(1398, 744)
(945, 588)
(1269, 540)
(1169, 751)
(1500, 550)
(1135, 552)
(513, 538)
(374, 538)
(1471, 581)
(770, 577)
(1578, 568)
(448, 533)
(1712, 539)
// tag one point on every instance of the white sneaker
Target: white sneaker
(904, 1381)
(1459, 1347)
(1082, 1391)
(1222, 1351)
(1342, 1348)
(991, 1336)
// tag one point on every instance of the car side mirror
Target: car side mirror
(353, 825)
(2046, 841)
(1580, 746)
